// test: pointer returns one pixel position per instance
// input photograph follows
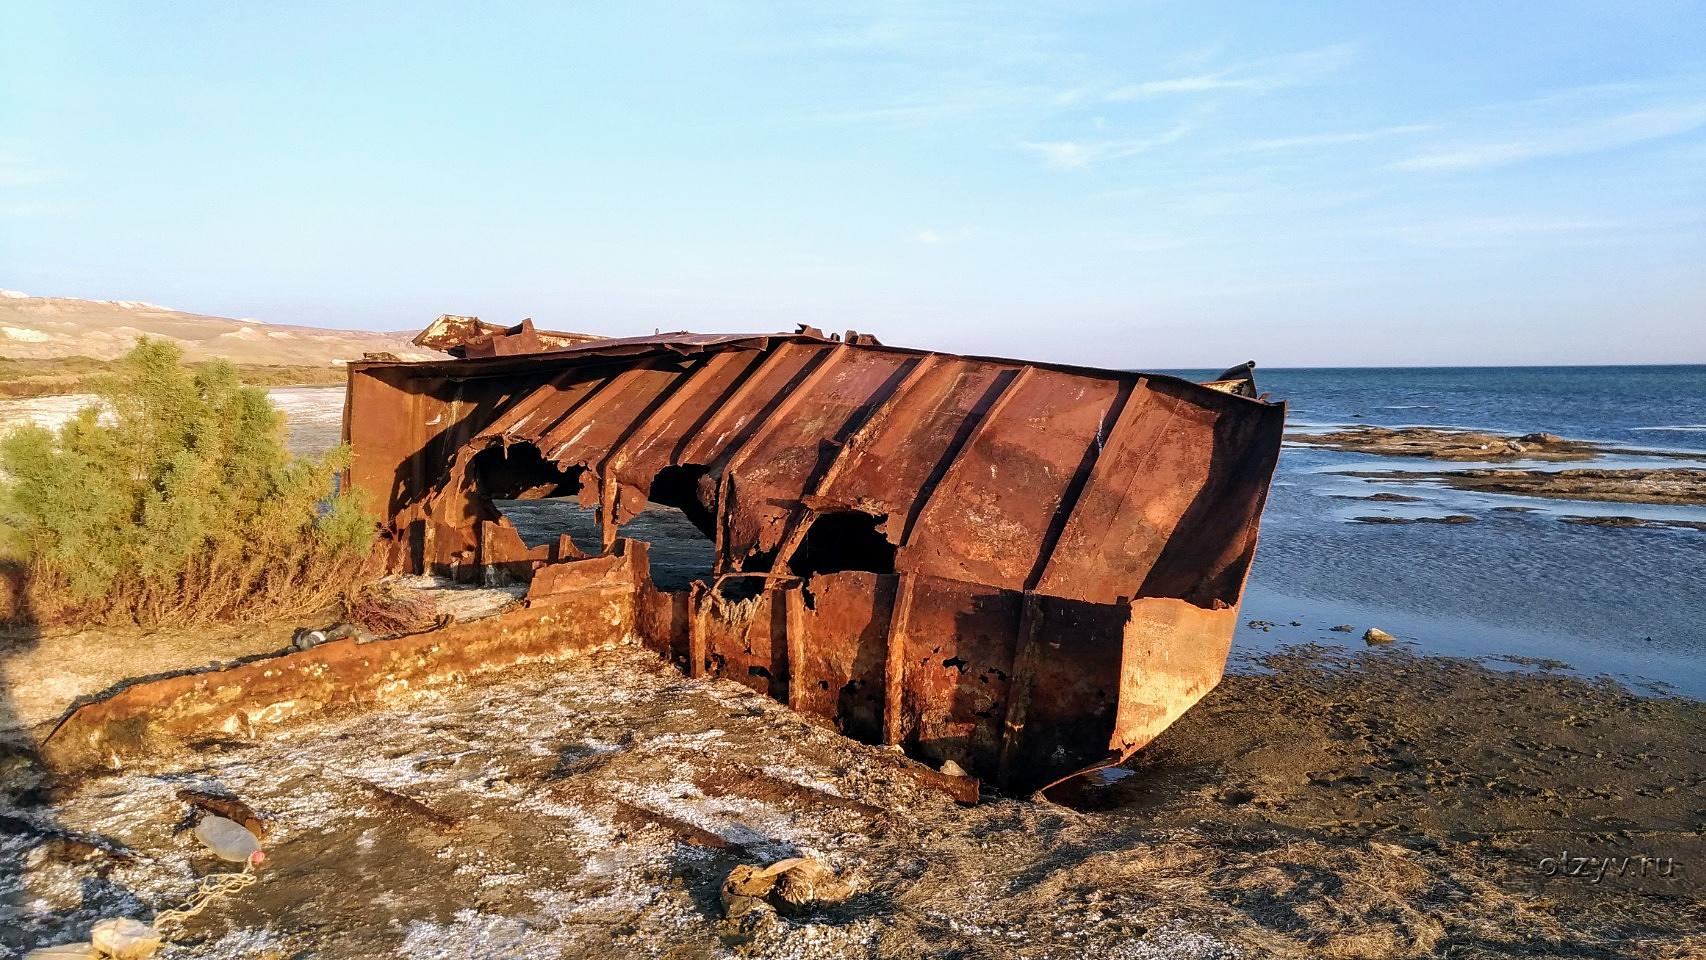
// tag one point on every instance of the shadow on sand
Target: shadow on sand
(31, 834)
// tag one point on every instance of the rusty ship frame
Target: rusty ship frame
(1028, 569)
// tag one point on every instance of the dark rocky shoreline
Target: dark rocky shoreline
(1679, 485)
(1443, 443)
(1667, 485)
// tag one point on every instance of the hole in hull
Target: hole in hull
(847, 540)
(521, 472)
(541, 501)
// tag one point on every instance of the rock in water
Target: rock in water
(1378, 637)
(1344, 628)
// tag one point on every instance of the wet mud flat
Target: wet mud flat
(1331, 805)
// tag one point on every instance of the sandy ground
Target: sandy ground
(42, 676)
(1378, 805)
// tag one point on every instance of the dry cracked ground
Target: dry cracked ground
(1320, 808)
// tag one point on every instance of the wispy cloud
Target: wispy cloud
(24, 208)
(18, 174)
(1218, 199)
(939, 236)
(936, 32)
(1562, 139)
(938, 106)
(17, 170)
(1073, 154)
(1474, 231)
(923, 65)
(1339, 138)
(1195, 56)
(1253, 76)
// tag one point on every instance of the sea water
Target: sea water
(1626, 602)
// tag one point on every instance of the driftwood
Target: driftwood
(407, 805)
(631, 815)
(758, 786)
(230, 808)
(963, 790)
(63, 844)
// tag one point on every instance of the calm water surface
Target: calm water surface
(1626, 602)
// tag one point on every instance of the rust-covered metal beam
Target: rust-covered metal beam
(819, 499)
(894, 661)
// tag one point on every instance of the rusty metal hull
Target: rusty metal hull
(1026, 568)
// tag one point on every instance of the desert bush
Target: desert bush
(174, 501)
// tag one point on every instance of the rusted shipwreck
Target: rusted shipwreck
(1030, 569)
(1026, 568)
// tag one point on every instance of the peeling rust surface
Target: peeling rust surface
(244, 701)
(1027, 569)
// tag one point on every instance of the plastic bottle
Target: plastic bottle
(229, 840)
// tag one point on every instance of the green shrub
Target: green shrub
(175, 501)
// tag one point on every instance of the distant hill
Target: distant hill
(36, 328)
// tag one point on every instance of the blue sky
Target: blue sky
(1134, 185)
